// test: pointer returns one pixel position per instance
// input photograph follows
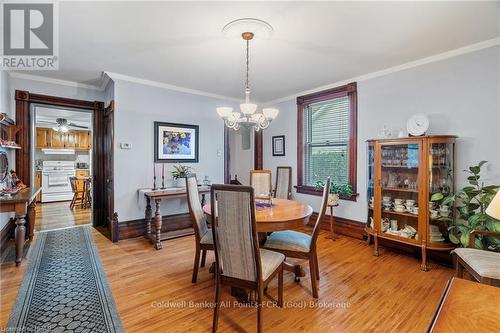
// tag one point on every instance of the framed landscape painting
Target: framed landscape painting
(176, 142)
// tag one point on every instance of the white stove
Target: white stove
(55, 180)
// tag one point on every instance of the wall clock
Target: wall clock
(417, 124)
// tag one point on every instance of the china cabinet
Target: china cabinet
(403, 174)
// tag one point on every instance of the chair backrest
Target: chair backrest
(72, 181)
(87, 184)
(261, 182)
(235, 233)
(283, 187)
(322, 212)
(195, 209)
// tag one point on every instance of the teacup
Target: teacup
(386, 199)
(399, 208)
(410, 202)
(414, 210)
(434, 213)
(398, 201)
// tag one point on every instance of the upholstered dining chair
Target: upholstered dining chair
(482, 265)
(239, 261)
(283, 189)
(299, 245)
(261, 181)
(202, 234)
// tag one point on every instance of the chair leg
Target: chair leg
(72, 204)
(314, 282)
(260, 320)
(82, 201)
(280, 286)
(217, 301)
(203, 257)
(195, 266)
(316, 264)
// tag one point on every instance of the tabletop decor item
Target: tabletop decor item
(180, 172)
(336, 191)
(278, 145)
(176, 142)
(417, 125)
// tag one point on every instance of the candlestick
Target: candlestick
(154, 177)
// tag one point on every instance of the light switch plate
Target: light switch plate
(125, 145)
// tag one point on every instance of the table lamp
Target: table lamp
(493, 209)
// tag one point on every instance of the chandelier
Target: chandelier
(247, 116)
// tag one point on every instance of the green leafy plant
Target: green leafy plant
(181, 171)
(340, 189)
(472, 202)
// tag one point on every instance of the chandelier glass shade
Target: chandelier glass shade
(248, 115)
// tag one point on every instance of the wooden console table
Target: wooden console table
(467, 306)
(156, 197)
(23, 205)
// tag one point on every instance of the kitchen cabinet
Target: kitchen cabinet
(38, 183)
(48, 138)
(42, 137)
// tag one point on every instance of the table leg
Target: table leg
(147, 218)
(158, 225)
(31, 220)
(20, 234)
(332, 235)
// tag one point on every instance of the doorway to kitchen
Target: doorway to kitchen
(61, 158)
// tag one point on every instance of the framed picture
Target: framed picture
(176, 142)
(278, 145)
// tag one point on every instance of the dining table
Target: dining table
(280, 214)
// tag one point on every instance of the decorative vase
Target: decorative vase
(180, 182)
(333, 199)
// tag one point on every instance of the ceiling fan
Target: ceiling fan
(62, 125)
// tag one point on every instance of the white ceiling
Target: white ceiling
(45, 114)
(314, 44)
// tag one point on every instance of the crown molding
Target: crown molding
(122, 77)
(53, 81)
(438, 57)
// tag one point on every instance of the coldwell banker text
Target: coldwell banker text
(30, 36)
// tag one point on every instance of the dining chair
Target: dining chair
(87, 189)
(239, 260)
(78, 192)
(299, 245)
(261, 181)
(283, 189)
(482, 265)
(202, 234)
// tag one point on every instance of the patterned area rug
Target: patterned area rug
(65, 288)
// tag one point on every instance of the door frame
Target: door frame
(23, 132)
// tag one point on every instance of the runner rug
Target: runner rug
(64, 288)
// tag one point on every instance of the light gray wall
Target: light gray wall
(137, 107)
(461, 96)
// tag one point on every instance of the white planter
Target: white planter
(180, 182)
(333, 199)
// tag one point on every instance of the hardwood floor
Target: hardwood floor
(54, 215)
(153, 290)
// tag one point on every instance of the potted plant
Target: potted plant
(472, 201)
(180, 172)
(336, 191)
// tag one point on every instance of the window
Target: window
(327, 138)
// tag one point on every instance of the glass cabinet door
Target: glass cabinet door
(371, 184)
(441, 171)
(399, 180)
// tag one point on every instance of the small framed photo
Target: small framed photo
(176, 142)
(278, 145)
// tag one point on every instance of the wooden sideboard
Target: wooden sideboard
(156, 197)
(23, 205)
(467, 306)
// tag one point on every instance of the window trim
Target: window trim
(351, 91)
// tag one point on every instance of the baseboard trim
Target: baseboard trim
(173, 226)
(343, 226)
(6, 233)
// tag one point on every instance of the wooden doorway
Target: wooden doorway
(24, 132)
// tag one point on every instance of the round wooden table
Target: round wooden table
(283, 215)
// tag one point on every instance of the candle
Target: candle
(154, 169)
(163, 170)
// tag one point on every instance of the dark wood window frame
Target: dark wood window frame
(349, 90)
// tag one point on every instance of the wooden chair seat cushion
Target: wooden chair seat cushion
(484, 263)
(270, 261)
(289, 240)
(208, 238)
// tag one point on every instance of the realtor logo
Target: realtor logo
(29, 39)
